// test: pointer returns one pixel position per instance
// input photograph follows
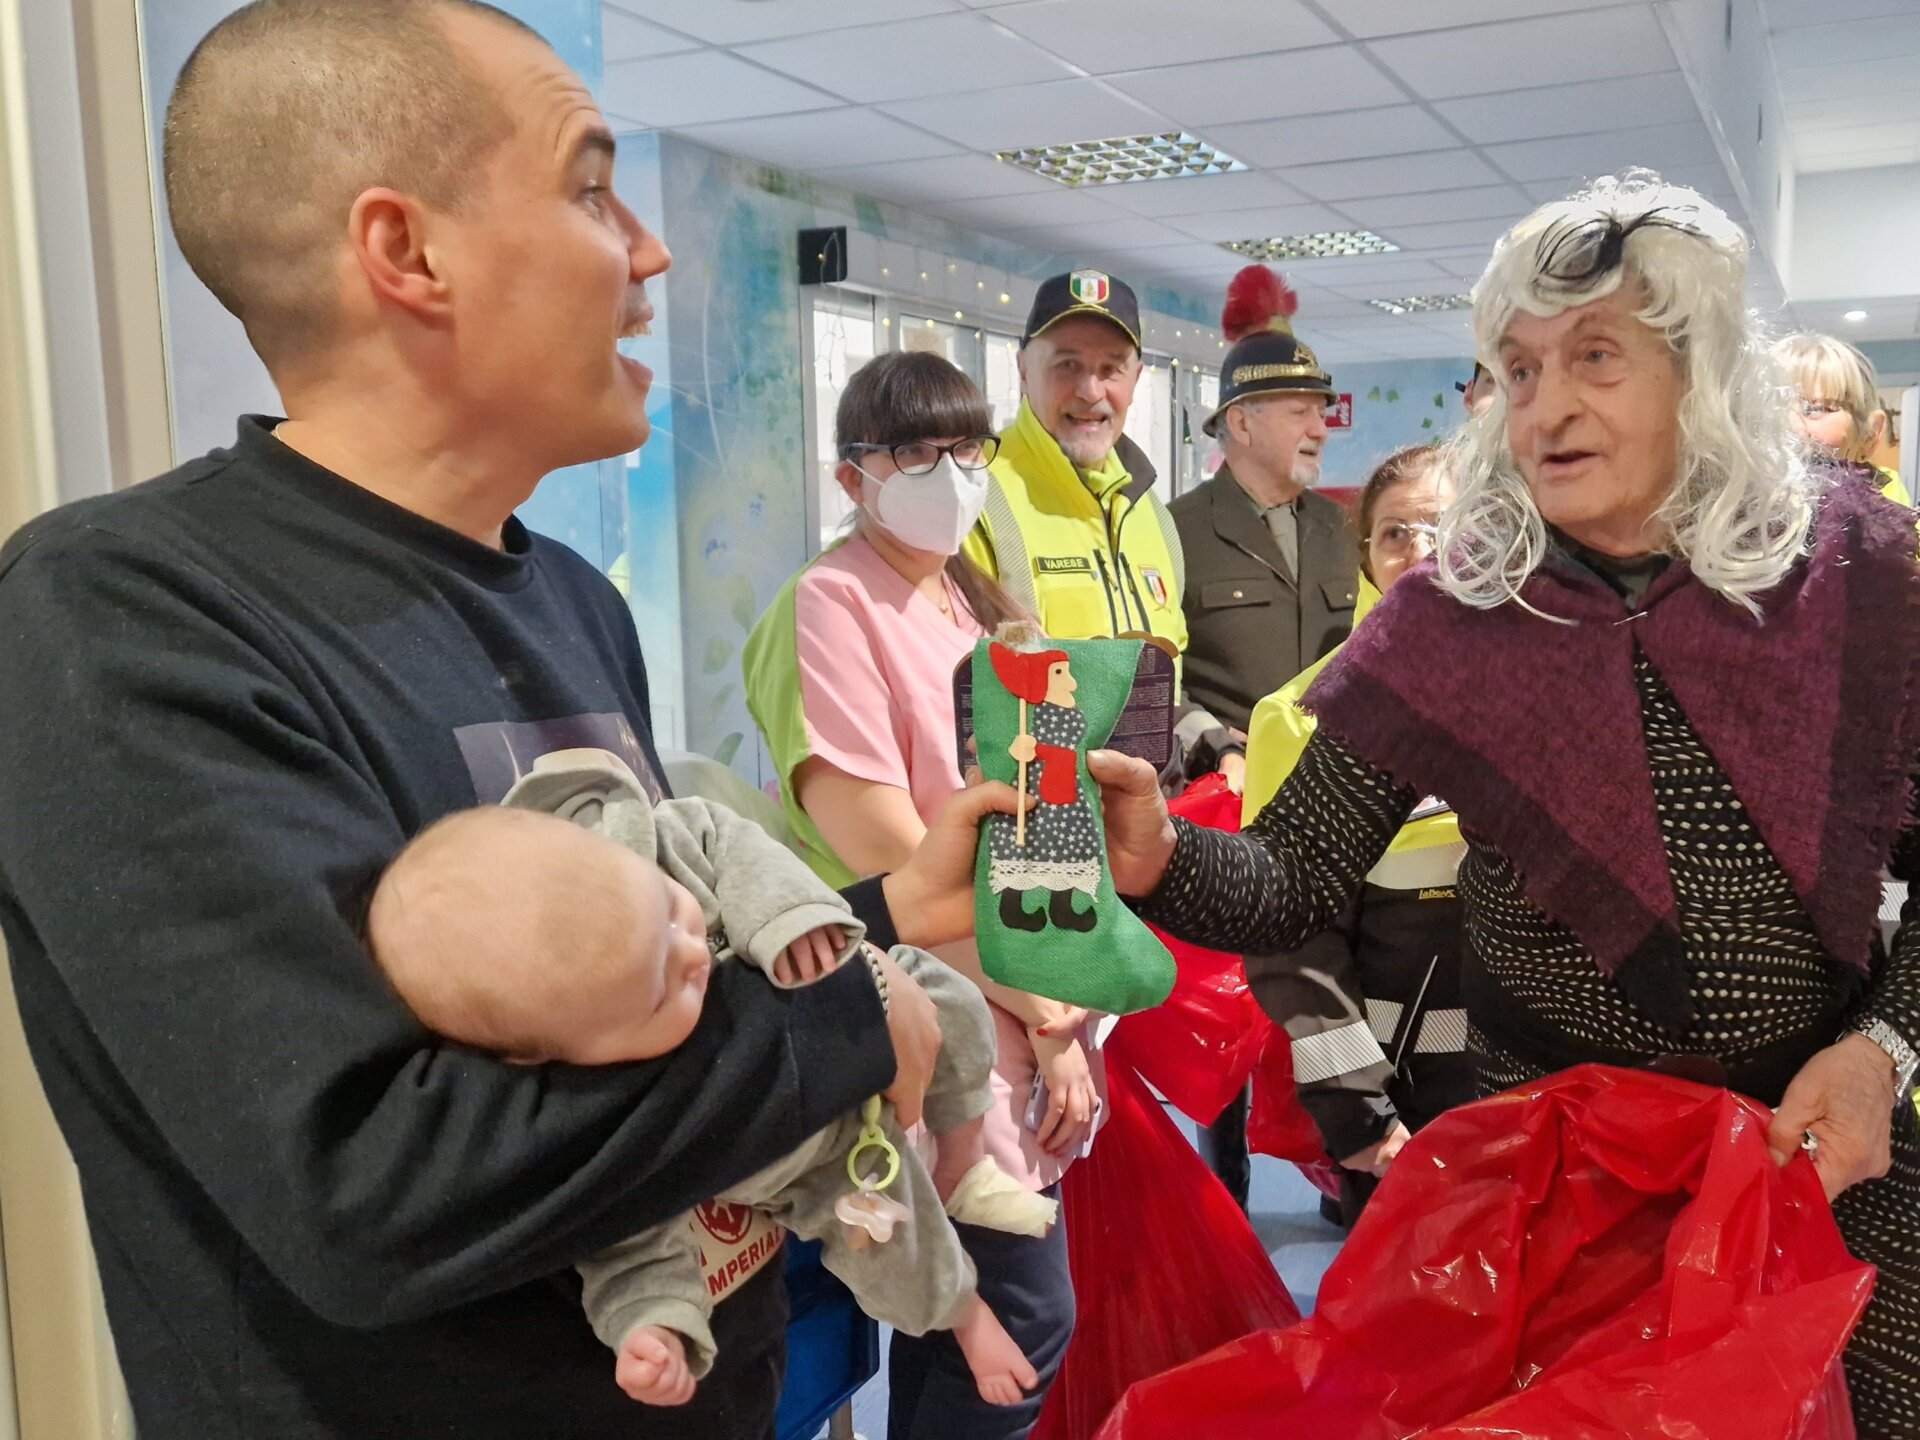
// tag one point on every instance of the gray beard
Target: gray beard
(1083, 461)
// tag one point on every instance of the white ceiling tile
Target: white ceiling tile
(624, 37)
(702, 86)
(1103, 36)
(1192, 258)
(1548, 50)
(1580, 109)
(1363, 269)
(1259, 87)
(1839, 111)
(948, 178)
(737, 22)
(1258, 224)
(1198, 194)
(1866, 75)
(1391, 175)
(1060, 206)
(1843, 44)
(1465, 267)
(1783, 14)
(1841, 141)
(934, 55)
(1353, 135)
(830, 139)
(1101, 236)
(1369, 18)
(1682, 152)
(1449, 235)
(1475, 202)
(1544, 192)
(1050, 114)
(1861, 159)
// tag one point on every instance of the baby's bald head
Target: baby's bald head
(523, 934)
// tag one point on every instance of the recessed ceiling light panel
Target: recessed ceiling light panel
(1422, 304)
(1176, 156)
(1313, 247)
(1856, 316)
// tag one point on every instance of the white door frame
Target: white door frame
(83, 408)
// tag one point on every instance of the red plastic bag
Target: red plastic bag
(1198, 1047)
(1608, 1253)
(1201, 1046)
(1278, 1124)
(1165, 1267)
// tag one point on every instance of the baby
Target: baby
(544, 930)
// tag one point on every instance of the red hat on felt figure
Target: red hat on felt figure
(1024, 673)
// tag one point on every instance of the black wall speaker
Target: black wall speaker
(823, 256)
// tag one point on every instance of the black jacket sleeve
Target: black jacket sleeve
(184, 839)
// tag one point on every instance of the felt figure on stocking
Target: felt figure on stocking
(1046, 915)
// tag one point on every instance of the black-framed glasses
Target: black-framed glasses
(918, 457)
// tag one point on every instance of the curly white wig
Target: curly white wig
(1742, 508)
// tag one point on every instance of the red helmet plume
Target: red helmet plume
(1256, 298)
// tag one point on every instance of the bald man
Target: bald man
(231, 694)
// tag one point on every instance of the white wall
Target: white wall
(1856, 234)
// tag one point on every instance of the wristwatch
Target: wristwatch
(1905, 1061)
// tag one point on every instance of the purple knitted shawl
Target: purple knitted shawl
(1533, 730)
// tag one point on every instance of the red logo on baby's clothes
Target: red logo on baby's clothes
(726, 1223)
(734, 1241)
(1156, 585)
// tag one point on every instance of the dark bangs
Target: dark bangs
(909, 395)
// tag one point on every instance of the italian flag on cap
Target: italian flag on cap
(1089, 287)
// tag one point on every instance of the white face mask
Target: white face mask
(931, 512)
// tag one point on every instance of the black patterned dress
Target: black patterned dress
(1766, 995)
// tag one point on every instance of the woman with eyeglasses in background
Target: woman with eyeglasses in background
(849, 676)
(1372, 1004)
(1836, 403)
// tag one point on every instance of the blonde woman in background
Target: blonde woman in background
(1838, 402)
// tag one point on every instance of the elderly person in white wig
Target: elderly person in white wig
(1677, 826)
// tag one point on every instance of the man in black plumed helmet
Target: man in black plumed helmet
(1271, 566)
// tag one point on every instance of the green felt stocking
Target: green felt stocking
(1046, 915)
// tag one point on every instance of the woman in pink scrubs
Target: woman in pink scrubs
(850, 678)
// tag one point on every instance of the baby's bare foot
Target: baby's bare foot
(1000, 1368)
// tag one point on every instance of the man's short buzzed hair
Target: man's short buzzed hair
(284, 114)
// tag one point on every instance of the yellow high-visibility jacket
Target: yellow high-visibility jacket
(1085, 559)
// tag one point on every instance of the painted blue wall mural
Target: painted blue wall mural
(1395, 403)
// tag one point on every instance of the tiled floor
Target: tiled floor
(1286, 1216)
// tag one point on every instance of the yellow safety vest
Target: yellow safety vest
(1075, 551)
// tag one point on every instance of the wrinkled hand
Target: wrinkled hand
(1844, 1095)
(914, 1028)
(652, 1367)
(1139, 830)
(814, 954)
(1378, 1156)
(931, 896)
(1233, 769)
(1071, 1098)
(1023, 749)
